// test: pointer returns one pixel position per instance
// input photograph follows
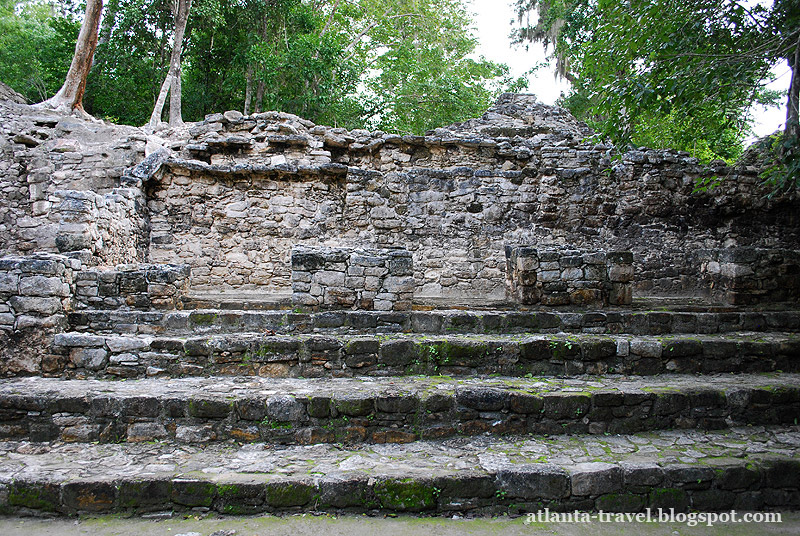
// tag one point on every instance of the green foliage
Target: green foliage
(423, 76)
(401, 65)
(783, 173)
(36, 47)
(664, 73)
(131, 64)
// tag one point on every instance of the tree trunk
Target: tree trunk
(107, 26)
(792, 127)
(175, 94)
(248, 89)
(259, 95)
(181, 17)
(70, 96)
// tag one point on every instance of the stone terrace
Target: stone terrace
(260, 314)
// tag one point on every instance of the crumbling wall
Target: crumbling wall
(132, 286)
(244, 190)
(746, 275)
(232, 195)
(60, 182)
(35, 296)
(569, 277)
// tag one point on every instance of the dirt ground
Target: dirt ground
(352, 525)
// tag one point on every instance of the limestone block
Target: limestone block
(733, 270)
(43, 286)
(596, 478)
(45, 306)
(125, 344)
(9, 283)
(571, 274)
(621, 294)
(620, 273)
(645, 348)
(398, 284)
(329, 278)
(285, 408)
(89, 358)
(549, 276)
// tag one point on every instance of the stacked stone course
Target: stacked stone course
(569, 277)
(139, 286)
(745, 276)
(360, 279)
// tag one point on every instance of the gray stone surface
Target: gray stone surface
(391, 410)
(335, 350)
(517, 471)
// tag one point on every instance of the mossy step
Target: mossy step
(378, 410)
(433, 322)
(343, 355)
(753, 468)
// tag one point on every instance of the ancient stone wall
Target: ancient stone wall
(238, 231)
(744, 276)
(59, 177)
(569, 277)
(39, 292)
(244, 190)
(103, 229)
(35, 296)
(232, 195)
(137, 286)
(339, 278)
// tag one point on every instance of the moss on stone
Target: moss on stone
(288, 494)
(406, 495)
(36, 497)
(620, 502)
(669, 498)
(202, 319)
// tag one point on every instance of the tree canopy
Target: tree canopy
(401, 65)
(668, 73)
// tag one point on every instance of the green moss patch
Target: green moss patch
(406, 495)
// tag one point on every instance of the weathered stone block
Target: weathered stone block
(354, 405)
(89, 358)
(146, 431)
(620, 273)
(596, 479)
(285, 408)
(398, 353)
(43, 306)
(9, 283)
(534, 481)
(482, 399)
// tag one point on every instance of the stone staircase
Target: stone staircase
(436, 411)
(259, 314)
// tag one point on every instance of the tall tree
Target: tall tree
(132, 60)
(36, 47)
(172, 82)
(70, 96)
(667, 72)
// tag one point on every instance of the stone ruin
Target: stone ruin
(448, 299)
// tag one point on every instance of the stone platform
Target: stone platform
(259, 314)
(752, 468)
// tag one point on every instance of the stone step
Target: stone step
(81, 355)
(752, 468)
(433, 322)
(274, 300)
(378, 410)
